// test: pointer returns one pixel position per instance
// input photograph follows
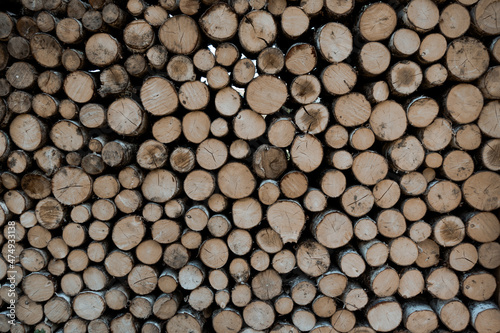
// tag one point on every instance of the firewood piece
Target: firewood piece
(58, 309)
(403, 251)
(218, 225)
(487, 121)
(38, 286)
(19, 48)
(488, 85)
(270, 60)
(481, 19)
(219, 127)
(383, 281)
(443, 196)
(437, 135)
(30, 313)
(339, 78)
(300, 58)
(458, 165)
(46, 50)
(306, 159)
(199, 185)
(434, 75)
(69, 31)
(268, 192)
(404, 42)
(374, 58)
(466, 48)
(181, 41)
(342, 159)
(463, 103)
(219, 22)
(226, 320)
(451, 14)
(313, 258)
(312, 118)
(365, 229)
(248, 125)
(420, 15)
(481, 189)
(73, 59)
(305, 89)
(281, 132)
(361, 138)
(7, 23)
(411, 283)
(488, 255)
(452, 313)
(315, 200)
(377, 92)
(484, 315)
(155, 15)
(377, 22)
(369, 168)
(419, 317)
(287, 218)
(385, 113)
(334, 42)
(26, 27)
(259, 315)
(380, 306)
(421, 111)
(391, 223)
(266, 94)
(126, 117)
(102, 49)
(256, 31)
(357, 201)
(180, 68)
(482, 227)
(436, 285)
(21, 75)
(92, 21)
(49, 213)
(432, 48)
(235, 180)
(71, 186)
(404, 77)
(374, 252)
(269, 162)
(462, 257)
(336, 136)
(239, 241)
(294, 22)
(118, 263)
(246, 213)
(478, 286)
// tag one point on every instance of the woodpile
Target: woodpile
(250, 166)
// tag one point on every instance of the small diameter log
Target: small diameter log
(376, 310)
(478, 285)
(452, 313)
(448, 231)
(411, 283)
(442, 283)
(484, 316)
(419, 317)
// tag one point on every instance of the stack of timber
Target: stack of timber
(250, 166)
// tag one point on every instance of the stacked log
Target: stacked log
(249, 166)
